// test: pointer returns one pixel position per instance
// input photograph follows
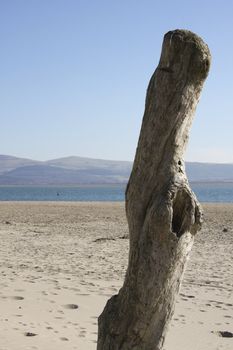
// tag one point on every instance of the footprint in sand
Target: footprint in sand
(30, 334)
(19, 290)
(71, 306)
(82, 294)
(17, 297)
(64, 339)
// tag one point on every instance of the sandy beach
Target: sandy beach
(60, 262)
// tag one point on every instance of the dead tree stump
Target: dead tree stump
(162, 212)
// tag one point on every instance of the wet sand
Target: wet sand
(60, 262)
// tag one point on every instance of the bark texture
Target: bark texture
(162, 212)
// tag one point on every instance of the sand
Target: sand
(60, 262)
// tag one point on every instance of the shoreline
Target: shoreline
(205, 192)
(59, 202)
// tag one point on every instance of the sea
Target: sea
(205, 192)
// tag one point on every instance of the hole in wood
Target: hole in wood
(178, 213)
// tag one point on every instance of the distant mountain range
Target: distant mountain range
(79, 170)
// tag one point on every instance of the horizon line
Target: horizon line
(104, 159)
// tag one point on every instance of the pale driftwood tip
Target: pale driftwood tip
(179, 43)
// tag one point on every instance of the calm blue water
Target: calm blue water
(206, 192)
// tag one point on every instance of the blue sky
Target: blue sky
(74, 75)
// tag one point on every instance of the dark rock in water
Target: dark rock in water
(225, 229)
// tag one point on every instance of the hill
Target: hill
(79, 170)
(8, 163)
(62, 171)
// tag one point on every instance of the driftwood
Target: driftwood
(162, 212)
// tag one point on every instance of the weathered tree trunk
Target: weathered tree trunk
(162, 212)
